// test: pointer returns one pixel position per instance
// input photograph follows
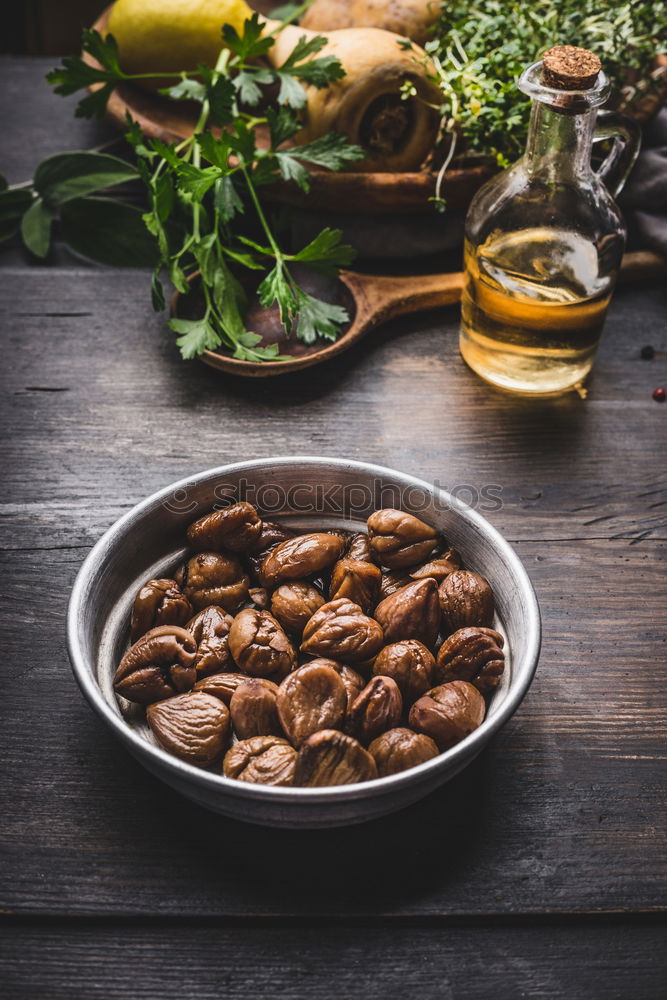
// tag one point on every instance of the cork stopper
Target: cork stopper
(566, 67)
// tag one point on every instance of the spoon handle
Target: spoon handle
(381, 297)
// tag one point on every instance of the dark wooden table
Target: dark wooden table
(538, 873)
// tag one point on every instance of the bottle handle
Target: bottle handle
(626, 135)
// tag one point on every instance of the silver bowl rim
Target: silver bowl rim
(450, 760)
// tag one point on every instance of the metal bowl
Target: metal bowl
(307, 493)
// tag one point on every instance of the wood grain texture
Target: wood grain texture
(481, 885)
(302, 962)
(565, 812)
(97, 372)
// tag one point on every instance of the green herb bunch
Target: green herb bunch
(481, 48)
(200, 189)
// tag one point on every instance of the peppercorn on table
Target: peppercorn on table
(537, 872)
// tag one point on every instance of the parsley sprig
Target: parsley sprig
(201, 189)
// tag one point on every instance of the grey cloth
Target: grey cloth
(644, 198)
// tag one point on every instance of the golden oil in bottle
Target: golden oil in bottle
(533, 307)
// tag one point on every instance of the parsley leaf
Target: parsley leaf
(195, 336)
(76, 74)
(317, 318)
(226, 200)
(326, 253)
(252, 43)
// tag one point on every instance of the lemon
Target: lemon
(166, 36)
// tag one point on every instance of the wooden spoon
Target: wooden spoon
(370, 301)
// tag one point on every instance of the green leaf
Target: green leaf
(320, 72)
(95, 104)
(178, 277)
(229, 299)
(196, 336)
(331, 151)
(75, 74)
(244, 259)
(317, 318)
(196, 181)
(221, 98)
(4, 183)
(136, 139)
(252, 43)
(283, 124)
(205, 256)
(292, 170)
(267, 251)
(326, 253)
(186, 90)
(291, 92)
(249, 339)
(304, 47)
(226, 201)
(109, 232)
(13, 205)
(65, 176)
(216, 151)
(275, 288)
(248, 83)
(242, 142)
(167, 152)
(163, 196)
(36, 228)
(105, 50)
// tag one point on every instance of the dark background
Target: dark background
(45, 27)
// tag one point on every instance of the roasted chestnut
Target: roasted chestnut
(398, 749)
(159, 665)
(448, 713)
(356, 580)
(330, 757)
(159, 602)
(259, 645)
(466, 598)
(398, 539)
(236, 529)
(376, 708)
(253, 709)
(261, 760)
(221, 686)
(211, 631)
(438, 567)
(214, 578)
(413, 612)
(472, 654)
(194, 727)
(301, 556)
(294, 603)
(410, 664)
(311, 698)
(342, 631)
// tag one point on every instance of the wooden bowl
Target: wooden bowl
(362, 193)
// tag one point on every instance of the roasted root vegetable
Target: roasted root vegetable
(412, 18)
(367, 104)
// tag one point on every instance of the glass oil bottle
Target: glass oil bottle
(544, 239)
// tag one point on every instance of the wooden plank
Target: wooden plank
(565, 811)
(299, 961)
(88, 354)
(36, 123)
